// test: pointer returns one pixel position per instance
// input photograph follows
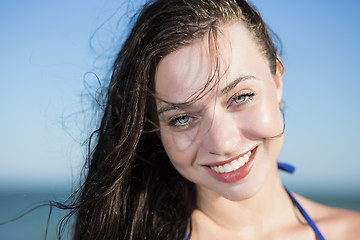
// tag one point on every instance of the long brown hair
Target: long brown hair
(131, 190)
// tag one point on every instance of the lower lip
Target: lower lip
(235, 176)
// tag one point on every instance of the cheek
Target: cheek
(179, 141)
(265, 120)
(179, 146)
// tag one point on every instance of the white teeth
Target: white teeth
(241, 162)
(233, 166)
(246, 157)
(227, 167)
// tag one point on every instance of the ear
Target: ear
(278, 78)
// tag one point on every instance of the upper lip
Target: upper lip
(231, 159)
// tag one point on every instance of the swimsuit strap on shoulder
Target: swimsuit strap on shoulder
(306, 216)
(186, 233)
(290, 169)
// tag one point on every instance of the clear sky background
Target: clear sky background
(47, 47)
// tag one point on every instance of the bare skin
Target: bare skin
(334, 223)
(228, 122)
(285, 223)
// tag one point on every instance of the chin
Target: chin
(250, 186)
(241, 193)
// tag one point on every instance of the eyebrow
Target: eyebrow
(234, 83)
(225, 90)
(169, 107)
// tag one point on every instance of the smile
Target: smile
(233, 165)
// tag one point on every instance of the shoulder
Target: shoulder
(333, 223)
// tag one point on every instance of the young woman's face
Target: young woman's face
(227, 141)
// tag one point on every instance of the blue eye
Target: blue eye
(180, 121)
(242, 98)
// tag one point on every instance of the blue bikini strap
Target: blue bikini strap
(290, 169)
(186, 233)
(306, 216)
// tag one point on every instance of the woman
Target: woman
(192, 128)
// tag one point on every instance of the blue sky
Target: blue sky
(48, 46)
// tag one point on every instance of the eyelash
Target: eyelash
(174, 121)
(248, 97)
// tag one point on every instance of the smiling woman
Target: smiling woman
(191, 133)
(237, 116)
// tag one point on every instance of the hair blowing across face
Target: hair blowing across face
(131, 190)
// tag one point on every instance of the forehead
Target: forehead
(183, 71)
(181, 74)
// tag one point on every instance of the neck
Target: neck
(263, 210)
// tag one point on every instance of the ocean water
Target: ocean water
(32, 226)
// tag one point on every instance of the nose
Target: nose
(222, 135)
